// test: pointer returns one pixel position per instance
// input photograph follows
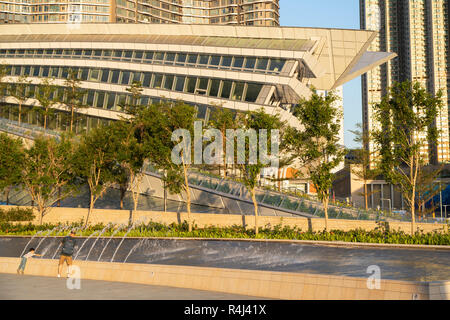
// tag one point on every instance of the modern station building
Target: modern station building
(238, 12)
(209, 66)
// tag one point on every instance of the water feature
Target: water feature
(110, 238)
(46, 235)
(100, 234)
(123, 238)
(26, 246)
(137, 245)
(395, 263)
(79, 250)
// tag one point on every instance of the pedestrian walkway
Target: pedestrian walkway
(15, 287)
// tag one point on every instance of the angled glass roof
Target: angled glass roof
(253, 43)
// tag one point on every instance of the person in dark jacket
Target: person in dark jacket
(68, 246)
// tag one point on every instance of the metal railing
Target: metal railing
(26, 130)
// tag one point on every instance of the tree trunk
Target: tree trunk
(188, 197)
(122, 196)
(165, 196)
(41, 213)
(325, 207)
(45, 121)
(255, 205)
(91, 208)
(365, 196)
(413, 218)
(71, 119)
(7, 195)
(20, 112)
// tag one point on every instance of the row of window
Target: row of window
(237, 63)
(60, 120)
(225, 89)
(111, 100)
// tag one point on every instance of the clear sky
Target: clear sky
(330, 14)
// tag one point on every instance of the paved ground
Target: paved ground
(15, 287)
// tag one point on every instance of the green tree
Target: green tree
(155, 126)
(11, 162)
(427, 188)
(406, 118)
(131, 155)
(223, 119)
(95, 162)
(315, 148)
(134, 107)
(47, 172)
(20, 93)
(73, 94)
(364, 157)
(180, 116)
(47, 97)
(256, 122)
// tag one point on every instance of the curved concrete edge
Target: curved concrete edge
(308, 242)
(272, 285)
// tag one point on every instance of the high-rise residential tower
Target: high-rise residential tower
(237, 12)
(418, 31)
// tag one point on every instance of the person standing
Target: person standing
(23, 262)
(68, 246)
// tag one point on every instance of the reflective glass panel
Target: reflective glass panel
(250, 63)
(226, 61)
(190, 87)
(147, 79)
(181, 58)
(253, 90)
(226, 89)
(115, 76)
(262, 63)
(192, 58)
(179, 85)
(157, 82)
(276, 65)
(203, 59)
(238, 62)
(215, 85)
(170, 58)
(238, 91)
(125, 77)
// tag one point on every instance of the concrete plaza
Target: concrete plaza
(17, 287)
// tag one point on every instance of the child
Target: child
(23, 262)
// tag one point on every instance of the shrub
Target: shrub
(381, 234)
(16, 214)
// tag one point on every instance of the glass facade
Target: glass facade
(227, 89)
(222, 62)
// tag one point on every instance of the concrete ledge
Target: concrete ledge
(70, 215)
(273, 285)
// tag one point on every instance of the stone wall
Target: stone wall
(266, 284)
(202, 219)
